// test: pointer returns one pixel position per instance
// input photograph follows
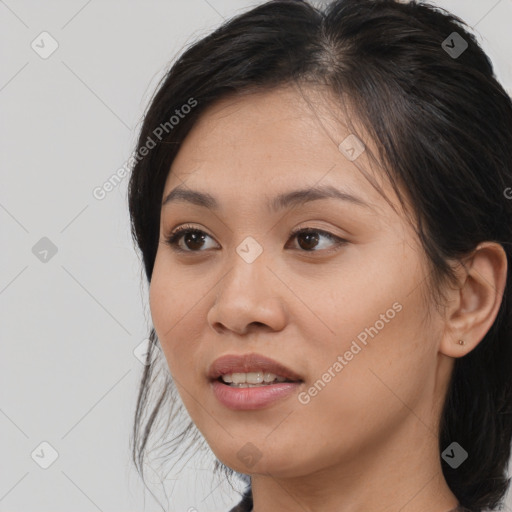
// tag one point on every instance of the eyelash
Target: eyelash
(173, 239)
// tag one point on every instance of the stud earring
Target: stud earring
(462, 342)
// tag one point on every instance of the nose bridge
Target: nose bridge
(246, 295)
(248, 269)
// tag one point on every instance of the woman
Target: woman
(322, 203)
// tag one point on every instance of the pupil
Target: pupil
(312, 236)
(196, 238)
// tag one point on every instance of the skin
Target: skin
(369, 439)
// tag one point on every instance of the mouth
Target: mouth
(252, 379)
(251, 370)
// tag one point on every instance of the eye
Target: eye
(191, 235)
(311, 236)
(194, 239)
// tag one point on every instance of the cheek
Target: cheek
(369, 397)
(369, 302)
(171, 307)
(378, 327)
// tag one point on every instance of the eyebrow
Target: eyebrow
(280, 202)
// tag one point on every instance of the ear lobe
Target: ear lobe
(474, 305)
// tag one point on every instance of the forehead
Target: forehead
(273, 140)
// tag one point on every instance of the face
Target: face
(342, 305)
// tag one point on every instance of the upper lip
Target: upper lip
(246, 363)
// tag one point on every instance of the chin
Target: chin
(278, 465)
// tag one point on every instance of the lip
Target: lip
(245, 363)
(257, 397)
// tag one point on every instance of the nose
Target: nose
(249, 297)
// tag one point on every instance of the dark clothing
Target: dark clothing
(246, 504)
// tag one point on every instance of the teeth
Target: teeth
(251, 378)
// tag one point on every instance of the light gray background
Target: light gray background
(69, 325)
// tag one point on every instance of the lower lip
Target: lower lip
(252, 398)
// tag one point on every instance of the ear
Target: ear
(474, 304)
